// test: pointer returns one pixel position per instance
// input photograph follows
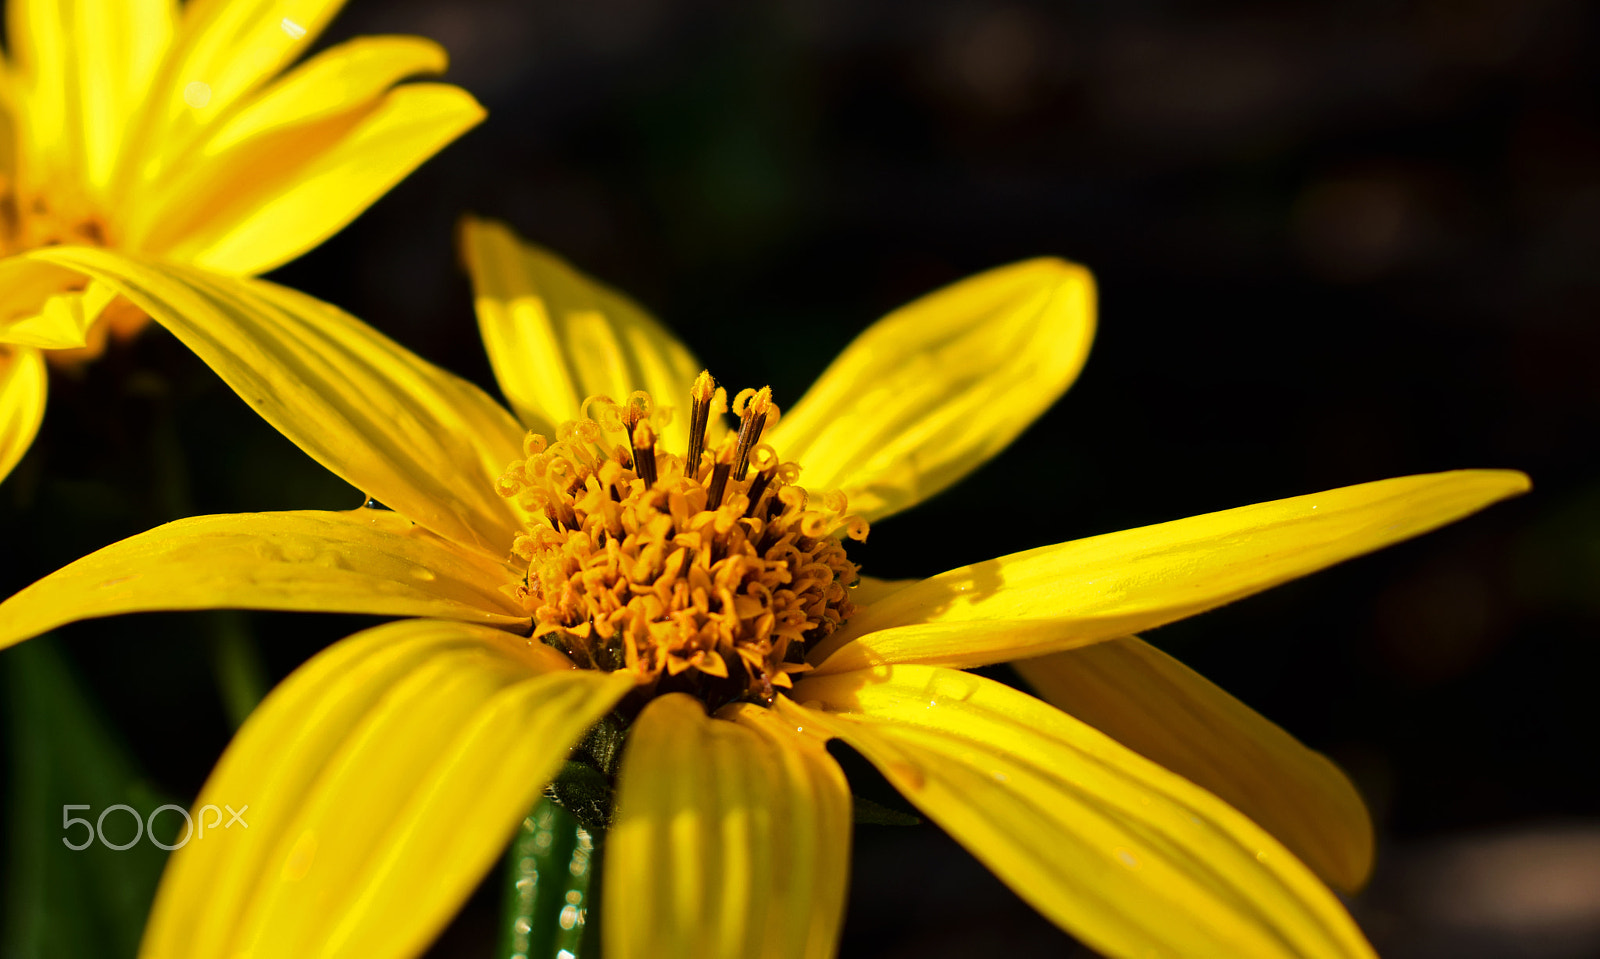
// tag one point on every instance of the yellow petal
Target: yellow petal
(1072, 594)
(335, 81)
(86, 66)
(270, 138)
(363, 561)
(934, 389)
(272, 197)
(65, 321)
(43, 305)
(23, 385)
(1167, 712)
(8, 123)
(556, 337)
(383, 778)
(730, 841)
(422, 441)
(817, 836)
(1127, 856)
(223, 51)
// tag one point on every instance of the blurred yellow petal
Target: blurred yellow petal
(1167, 712)
(1130, 858)
(422, 441)
(1059, 597)
(730, 840)
(382, 779)
(363, 561)
(933, 390)
(8, 122)
(65, 320)
(349, 76)
(85, 66)
(228, 49)
(23, 387)
(556, 337)
(42, 305)
(269, 142)
(270, 198)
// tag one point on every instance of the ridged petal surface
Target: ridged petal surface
(382, 780)
(1127, 856)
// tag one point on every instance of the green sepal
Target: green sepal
(586, 784)
(584, 793)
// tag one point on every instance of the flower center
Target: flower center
(709, 573)
(28, 222)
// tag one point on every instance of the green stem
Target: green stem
(552, 878)
(236, 662)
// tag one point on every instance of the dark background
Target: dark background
(1335, 242)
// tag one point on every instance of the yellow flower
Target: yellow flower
(386, 774)
(136, 127)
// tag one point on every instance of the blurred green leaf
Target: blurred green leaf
(877, 814)
(62, 903)
(552, 880)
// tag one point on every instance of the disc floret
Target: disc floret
(709, 573)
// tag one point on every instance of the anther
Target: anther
(700, 393)
(752, 418)
(719, 483)
(643, 439)
(758, 486)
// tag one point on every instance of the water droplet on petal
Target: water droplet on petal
(300, 857)
(949, 685)
(197, 94)
(332, 559)
(1126, 857)
(294, 30)
(426, 575)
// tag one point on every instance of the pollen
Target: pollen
(709, 573)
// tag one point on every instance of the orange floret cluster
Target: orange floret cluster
(710, 580)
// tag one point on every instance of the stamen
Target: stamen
(719, 483)
(753, 416)
(699, 418)
(644, 453)
(757, 487)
